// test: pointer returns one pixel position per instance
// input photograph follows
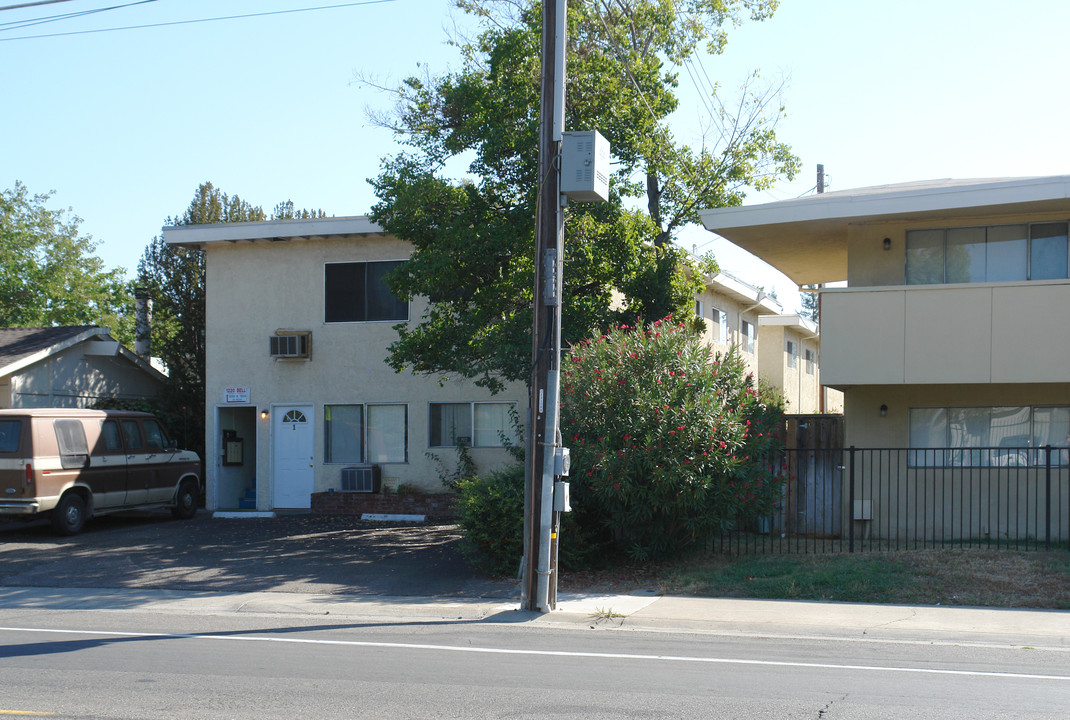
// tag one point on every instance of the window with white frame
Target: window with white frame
(474, 424)
(700, 309)
(746, 331)
(366, 433)
(993, 253)
(357, 292)
(720, 325)
(811, 361)
(791, 349)
(1004, 436)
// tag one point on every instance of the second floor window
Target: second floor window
(746, 339)
(720, 325)
(357, 292)
(792, 351)
(994, 253)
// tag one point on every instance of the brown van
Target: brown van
(74, 464)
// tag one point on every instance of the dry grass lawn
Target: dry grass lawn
(974, 577)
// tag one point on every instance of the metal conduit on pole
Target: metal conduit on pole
(539, 571)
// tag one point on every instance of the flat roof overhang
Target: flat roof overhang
(275, 230)
(806, 238)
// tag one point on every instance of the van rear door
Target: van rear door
(14, 434)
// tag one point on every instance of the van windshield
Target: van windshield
(10, 433)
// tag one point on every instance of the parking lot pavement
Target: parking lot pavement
(302, 553)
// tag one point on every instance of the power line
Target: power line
(19, 24)
(197, 20)
(32, 4)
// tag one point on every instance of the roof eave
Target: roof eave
(806, 238)
(201, 235)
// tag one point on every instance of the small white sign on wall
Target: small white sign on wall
(236, 395)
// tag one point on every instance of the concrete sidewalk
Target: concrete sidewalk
(1047, 629)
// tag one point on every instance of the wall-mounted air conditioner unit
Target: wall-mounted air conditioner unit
(291, 345)
(361, 478)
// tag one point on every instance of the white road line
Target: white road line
(546, 653)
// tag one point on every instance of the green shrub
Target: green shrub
(490, 510)
(670, 442)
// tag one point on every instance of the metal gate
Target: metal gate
(815, 463)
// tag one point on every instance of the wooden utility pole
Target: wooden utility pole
(539, 576)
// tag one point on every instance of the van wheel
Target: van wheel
(68, 517)
(186, 500)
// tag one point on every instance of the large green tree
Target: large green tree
(49, 274)
(473, 239)
(174, 277)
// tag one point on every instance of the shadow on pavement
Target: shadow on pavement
(291, 553)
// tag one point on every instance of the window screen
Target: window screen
(388, 440)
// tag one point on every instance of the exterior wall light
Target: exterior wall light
(887, 243)
(884, 411)
(263, 413)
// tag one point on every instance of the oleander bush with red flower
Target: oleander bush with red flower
(670, 442)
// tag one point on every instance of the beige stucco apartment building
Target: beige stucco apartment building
(297, 324)
(947, 337)
(782, 349)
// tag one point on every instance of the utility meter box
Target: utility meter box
(562, 461)
(562, 501)
(585, 166)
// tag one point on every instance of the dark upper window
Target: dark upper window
(10, 434)
(357, 292)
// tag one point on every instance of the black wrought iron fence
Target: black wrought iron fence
(863, 499)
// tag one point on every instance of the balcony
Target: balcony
(946, 334)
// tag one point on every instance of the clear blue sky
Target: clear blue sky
(125, 125)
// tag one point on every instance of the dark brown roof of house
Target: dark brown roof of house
(19, 343)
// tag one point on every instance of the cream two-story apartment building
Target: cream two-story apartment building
(947, 340)
(299, 398)
(947, 331)
(780, 348)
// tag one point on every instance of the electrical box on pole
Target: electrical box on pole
(585, 166)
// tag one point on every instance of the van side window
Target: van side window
(10, 434)
(132, 435)
(154, 435)
(109, 433)
(73, 449)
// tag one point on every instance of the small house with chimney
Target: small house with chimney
(71, 367)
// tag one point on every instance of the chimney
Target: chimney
(142, 322)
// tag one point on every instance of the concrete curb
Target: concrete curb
(1046, 629)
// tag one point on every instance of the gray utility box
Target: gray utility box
(585, 166)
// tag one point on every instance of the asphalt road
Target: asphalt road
(290, 553)
(127, 664)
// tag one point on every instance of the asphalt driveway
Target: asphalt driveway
(291, 553)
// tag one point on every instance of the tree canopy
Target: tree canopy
(473, 238)
(49, 274)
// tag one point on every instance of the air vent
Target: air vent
(361, 478)
(291, 346)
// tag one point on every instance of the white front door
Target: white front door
(294, 464)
